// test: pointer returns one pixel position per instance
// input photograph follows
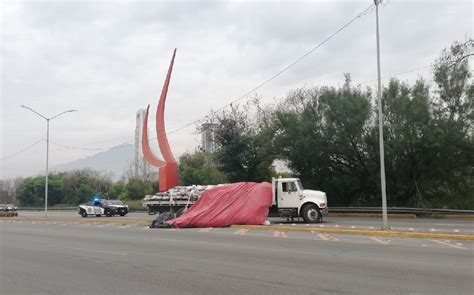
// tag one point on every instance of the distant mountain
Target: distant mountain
(115, 160)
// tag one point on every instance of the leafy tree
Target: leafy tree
(118, 191)
(31, 193)
(244, 151)
(198, 168)
(80, 185)
(322, 132)
(136, 189)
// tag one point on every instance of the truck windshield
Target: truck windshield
(289, 187)
(300, 186)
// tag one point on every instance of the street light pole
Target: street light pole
(47, 170)
(381, 146)
(47, 151)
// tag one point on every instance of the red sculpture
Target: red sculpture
(168, 177)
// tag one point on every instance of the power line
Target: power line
(22, 150)
(398, 74)
(368, 10)
(126, 145)
(89, 149)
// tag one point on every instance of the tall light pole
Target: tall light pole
(379, 97)
(47, 151)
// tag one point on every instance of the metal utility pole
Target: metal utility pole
(381, 148)
(47, 151)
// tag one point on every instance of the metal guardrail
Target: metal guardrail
(400, 210)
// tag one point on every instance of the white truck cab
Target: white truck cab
(291, 200)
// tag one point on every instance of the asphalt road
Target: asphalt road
(465, 226)
(105, 258)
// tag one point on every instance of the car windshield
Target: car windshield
(115, 202)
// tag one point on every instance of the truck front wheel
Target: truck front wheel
(311, 214)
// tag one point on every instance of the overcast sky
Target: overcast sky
(107, 59)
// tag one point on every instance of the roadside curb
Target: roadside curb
(357, 214)
(360, 232)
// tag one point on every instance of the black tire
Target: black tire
(151, 211)
(123, 213)
(109, 213)
(84, 213)
(98, 215)
(311, 213)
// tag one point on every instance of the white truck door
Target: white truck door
(288, 196)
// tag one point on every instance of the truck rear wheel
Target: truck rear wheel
(311, 214)
(84, 213)
(151, 211)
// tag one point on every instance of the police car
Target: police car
(100, 207)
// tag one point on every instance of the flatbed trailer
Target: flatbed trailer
(290, 200)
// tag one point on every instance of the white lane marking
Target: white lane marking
(293, 224)
(322, 237)
(241, 232)
(380, 240)
(432, 229)
(327, 237)
(321, 225)
(353, 226)
(337, 225)
(371, 227)
(448, 244)
(307, 224)
(89, 250)
(64, 223)
(106, 225)
(280, 234)
(459, 244)
(411, 229)
(423, 245)
(456, 230)
(205, 230)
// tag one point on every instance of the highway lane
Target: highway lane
(100, 258)
(402, 224)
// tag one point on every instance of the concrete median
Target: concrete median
(406, 234)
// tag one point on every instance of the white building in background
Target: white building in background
(208, 137)
(141, 167)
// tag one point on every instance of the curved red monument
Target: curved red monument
(168, 172)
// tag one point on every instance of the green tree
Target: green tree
(137, 188)
(323, 132)
(118, 191)
(198, 168)
(244, 147)
(31, 192)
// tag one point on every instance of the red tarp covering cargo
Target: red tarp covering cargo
(238, 203)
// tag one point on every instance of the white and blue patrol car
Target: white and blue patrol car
(99, 207)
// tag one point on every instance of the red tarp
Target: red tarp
(238, 203)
